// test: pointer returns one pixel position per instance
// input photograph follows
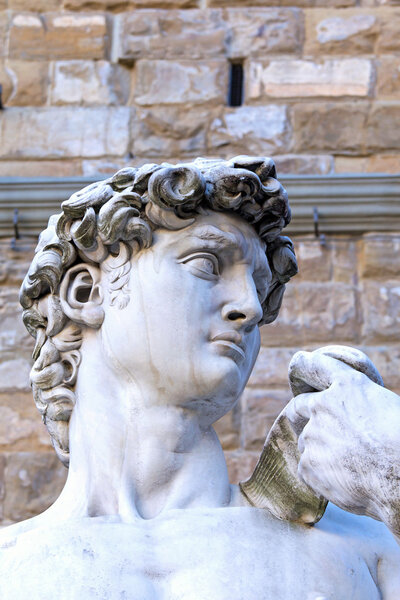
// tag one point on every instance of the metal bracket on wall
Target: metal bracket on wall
(320, 236)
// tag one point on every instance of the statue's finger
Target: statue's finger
(315, 372)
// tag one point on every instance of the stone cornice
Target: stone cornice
(345, 203)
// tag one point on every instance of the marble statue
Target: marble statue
(145, 298)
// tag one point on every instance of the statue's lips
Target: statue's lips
(232, 342)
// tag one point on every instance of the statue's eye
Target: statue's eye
(205, 263)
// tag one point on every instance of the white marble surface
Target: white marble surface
(146, 345)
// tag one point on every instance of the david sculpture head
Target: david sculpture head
(145, 298)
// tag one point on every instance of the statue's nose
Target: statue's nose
(244, 309)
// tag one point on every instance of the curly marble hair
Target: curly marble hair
(109, 221)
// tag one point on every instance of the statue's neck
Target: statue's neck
(134, 454)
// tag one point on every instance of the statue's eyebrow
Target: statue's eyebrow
(219, 238)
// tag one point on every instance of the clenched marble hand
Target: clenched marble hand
(350, 439)
(145, 298)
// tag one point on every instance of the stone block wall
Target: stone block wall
(347, 292)
(92, 85)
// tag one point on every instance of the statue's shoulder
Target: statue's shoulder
(10, 534)
(365, 533)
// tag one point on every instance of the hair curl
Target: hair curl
(108, 221)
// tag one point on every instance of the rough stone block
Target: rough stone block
(170, 34)
(383, 163)
(167, 82)
(40, 168)
(298, 3)
(383, 127)
(388, 81)
(389, 40)
(314, 313)
(13, 335)
(314, 260)
(170, 131)
(4, 24)
(252, 130)
(33, 481)
(305, 164)
(330, 127)
(380, 256)
(96, 4)
(2, 487)
(30, 83)
(271, 368)
(228, 429)
(21, 427)
(260, 409)
(304, 78)
(380, 303)
(6, 81)
(14, 375)
(86, 82)
(344, 260)
(240, 464)
(261, 32)
(350, 31)
(164, 4)
(37, 6)
(57, 36)
(64, 132)
(387, 360)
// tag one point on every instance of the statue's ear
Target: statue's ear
(81, 295)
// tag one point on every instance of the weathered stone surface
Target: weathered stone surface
(97, 4)
(169, 131)
(389, 40)
(30, 83)
(21, 427)
(38, 6)
(64, 132)
(304, 164)
(166, 3)
(13, 335)
(298, 3)
(260, 409)
(383, 127)
(380, 303)
(271, 368)
(94, 167)
(57, 36)
(388, 82)
(314, 260)
(32, 482)
(297, 78)
(2, 487)
(344, 260)
(240, 464)
(349, 31)
(14, 375)
(330, 127)
(169, 34)
(13, 267)
(383, 163)
(86, 82)
(255, 129)
(387, 360)
(228, 429)
(380, 256)
(6, 82)
(314, 313)
(4, 24)
(261, 32)
(40, 168)
(167, 82)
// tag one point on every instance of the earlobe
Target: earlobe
(81, 295)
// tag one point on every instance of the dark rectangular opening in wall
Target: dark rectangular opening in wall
(236, 84)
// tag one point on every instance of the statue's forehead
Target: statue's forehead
(223, 233)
